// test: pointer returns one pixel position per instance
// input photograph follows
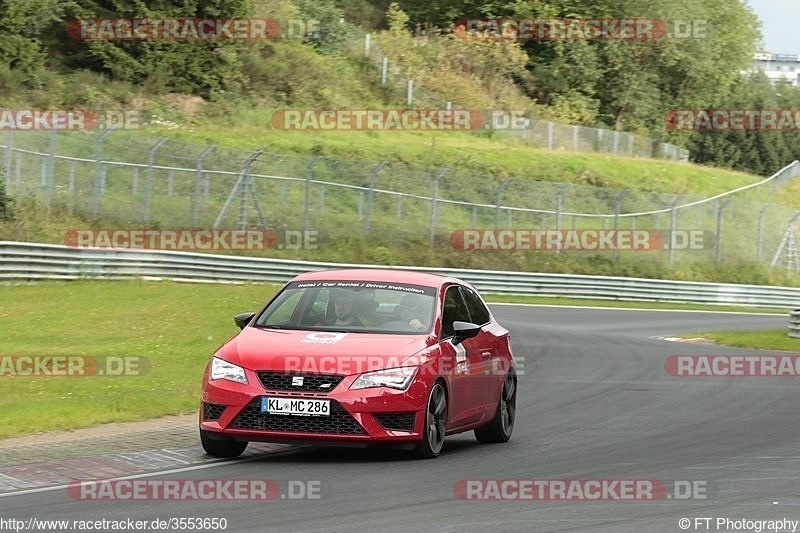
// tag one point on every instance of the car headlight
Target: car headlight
(394, 378)
(221, 369)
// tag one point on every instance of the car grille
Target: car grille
(397, 421)
(339, 422)
(212, 411)
(281, 381)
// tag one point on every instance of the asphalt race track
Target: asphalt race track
(594, 402)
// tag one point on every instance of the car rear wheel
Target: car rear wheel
(502, 425)
(435, 424)
(222, 446)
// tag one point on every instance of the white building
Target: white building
(778, 66)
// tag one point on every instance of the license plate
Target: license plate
(295, 406)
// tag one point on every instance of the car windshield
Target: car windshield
(353, 306)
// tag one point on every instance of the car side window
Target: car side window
(477, 310)
(454, 309)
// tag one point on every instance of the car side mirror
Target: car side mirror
(464, 330)
(242, 319)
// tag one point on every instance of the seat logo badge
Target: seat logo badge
(297, 381)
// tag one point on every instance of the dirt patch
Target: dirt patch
(187, 104)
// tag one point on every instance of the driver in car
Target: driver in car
(346, 309)
(409, 309)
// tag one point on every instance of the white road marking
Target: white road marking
(214, 464)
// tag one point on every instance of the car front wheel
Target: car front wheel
(435, 424)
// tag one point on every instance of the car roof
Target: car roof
(380, 274)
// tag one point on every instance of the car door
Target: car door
(462, 361)
(490, 381)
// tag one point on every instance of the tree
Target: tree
(22, 26)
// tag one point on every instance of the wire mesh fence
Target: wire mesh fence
(539, 133)
(129, 180)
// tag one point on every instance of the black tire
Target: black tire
(435, 424)
(502, 425)
(222, 446)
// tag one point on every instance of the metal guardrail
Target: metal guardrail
(32, 261)
(794, 324)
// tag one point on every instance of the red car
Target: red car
(362, 357)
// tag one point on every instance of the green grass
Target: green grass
(768, 339)
(176, 326)
(500, 155)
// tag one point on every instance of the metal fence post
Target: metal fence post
(617, 208)
(148, 188)
(373, 175)
(242, 187)
(498, 199)
(550, 128)
(559, 204)
(71, 203)
(198, 184)
(760, 233)
(98, 185)
(720, 207)
(307, 199)
(366, 45)
(9, 154)
(673, 218)
(384, 70)
(48, 167)
(788, 244)
(18, 169)
(245, 187)
(434, 204)
(410, 93)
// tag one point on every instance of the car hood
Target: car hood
(320, 351)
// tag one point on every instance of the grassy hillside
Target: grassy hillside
(297, 75)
